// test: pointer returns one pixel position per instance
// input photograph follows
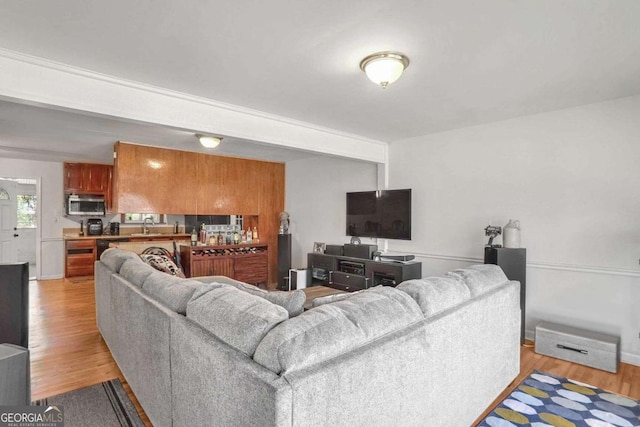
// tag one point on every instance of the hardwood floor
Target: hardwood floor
(67, 351)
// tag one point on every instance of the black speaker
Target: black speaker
(14, 304)
(514, 264)
(284, 260)
(334, 250)
(359, 251)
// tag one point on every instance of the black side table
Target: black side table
(514, 264)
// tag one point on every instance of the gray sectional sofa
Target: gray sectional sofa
(206, 352)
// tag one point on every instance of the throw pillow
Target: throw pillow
(162, 263)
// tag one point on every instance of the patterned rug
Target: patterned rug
(545, 400)
(105, 405)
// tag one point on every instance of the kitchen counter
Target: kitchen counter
(158, 236)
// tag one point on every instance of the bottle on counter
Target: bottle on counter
(243, 236)
(229, 238)
(220, 238)
(176, 228)
(236, 237)
(254, 236)
(213, 240)
(249, 235)
(203, 235)
(194, 237)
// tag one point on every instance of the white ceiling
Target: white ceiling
(472, 62)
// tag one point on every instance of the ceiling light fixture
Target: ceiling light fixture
(209, 141)
(384, 68)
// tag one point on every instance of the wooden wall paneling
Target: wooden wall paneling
(271, 203)
(226, 186)
(154, 180)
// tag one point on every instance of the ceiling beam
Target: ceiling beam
(32, 80)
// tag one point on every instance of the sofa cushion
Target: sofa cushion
(436, 294)
(292, 301)
(317, 302)
(136, 271)
(334, 329)
(162, 263)
(217, 279)
(480, 278)
(114, 258)
(238, 318)
(171, 291)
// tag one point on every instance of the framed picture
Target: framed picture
(319, 247)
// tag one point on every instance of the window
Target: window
(26, 211)
(138, 218)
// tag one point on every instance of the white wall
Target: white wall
(51, 210)
(316, 200)
(571, 177)
(26, 240)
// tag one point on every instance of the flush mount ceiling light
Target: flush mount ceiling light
(384, 68)
(209, 141)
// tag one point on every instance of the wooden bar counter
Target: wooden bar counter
(247, 263)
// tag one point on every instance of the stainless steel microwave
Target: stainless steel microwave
(85, 205)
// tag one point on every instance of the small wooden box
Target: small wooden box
(588, 348)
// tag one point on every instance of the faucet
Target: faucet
(145, 229)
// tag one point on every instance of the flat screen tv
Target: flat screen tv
(385, 214)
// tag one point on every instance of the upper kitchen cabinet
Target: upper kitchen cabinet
(87, 178)
(151, 179)
(228, 184)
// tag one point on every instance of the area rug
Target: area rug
(104, 404)
(545, 400)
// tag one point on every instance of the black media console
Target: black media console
(353, 274)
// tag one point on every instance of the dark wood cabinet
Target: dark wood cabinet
(74, 178)
(352, 274)
(80, 256)
(89, 178)
(245, 262)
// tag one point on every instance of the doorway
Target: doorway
(19, 222)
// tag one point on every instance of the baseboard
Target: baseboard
(630, 358)
(54, 277)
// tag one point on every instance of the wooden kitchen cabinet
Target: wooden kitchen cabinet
(228, 185)
(89, 178)
(74, 178)
(159, 180)
(154, 180)
(79, 257)
(245, 262)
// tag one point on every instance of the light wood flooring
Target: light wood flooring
(67, 351)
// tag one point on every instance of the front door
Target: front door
(8, 222)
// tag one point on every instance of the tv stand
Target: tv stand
(354, 274)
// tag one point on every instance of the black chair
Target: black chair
(14, 304)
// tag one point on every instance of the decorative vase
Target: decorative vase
(511, 234)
